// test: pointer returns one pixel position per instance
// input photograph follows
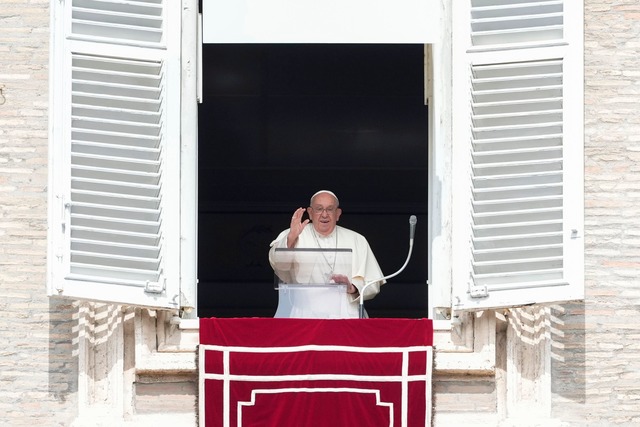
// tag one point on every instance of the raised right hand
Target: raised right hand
(296, 227)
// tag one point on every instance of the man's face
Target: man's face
(324, 213)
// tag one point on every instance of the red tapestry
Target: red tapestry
(315, 373)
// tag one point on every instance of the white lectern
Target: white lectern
(303, 278)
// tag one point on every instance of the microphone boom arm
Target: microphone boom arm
(412, 222)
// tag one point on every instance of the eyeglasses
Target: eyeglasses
(318, 210)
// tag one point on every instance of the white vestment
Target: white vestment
(364, 266)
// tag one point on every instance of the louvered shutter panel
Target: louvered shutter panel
(116, 152)
(517, 141)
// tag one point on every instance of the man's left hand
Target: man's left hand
(344, 280)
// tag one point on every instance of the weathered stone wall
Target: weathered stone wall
(38, 367)
(612, 214)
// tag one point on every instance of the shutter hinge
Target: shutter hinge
(155, 287)
(478, 291)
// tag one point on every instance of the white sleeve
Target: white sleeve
(366, 268)
(279, 242)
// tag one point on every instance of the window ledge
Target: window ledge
(189, 324)
(468, 346)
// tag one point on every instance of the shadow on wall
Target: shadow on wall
(63, 350)
(546, 345)
(568, 364)
(541, 349)
(84, 338)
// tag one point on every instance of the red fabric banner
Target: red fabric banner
(310, 372)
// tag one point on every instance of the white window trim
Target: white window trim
(439, 72)
(191, 80)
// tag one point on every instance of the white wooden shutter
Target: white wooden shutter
(517, 153)
(115, 151)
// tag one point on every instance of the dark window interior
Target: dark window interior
(280, 122)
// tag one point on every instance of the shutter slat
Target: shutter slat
(116, 187)
(115, 150)
(120, 128)
(92, 245)
(116, 115)
(123, 32)
(106, 65)
(533, 168)
(115, 139)
(516, 106)
(123, 93)
(517, 36)
(517, 265)
(115, 175)
(504, 121)
(133, 77)
(113, 101)
(516, 183)
(112, 163)
(503, 193)
(522, 142)
(539, 129)
(114, 237)
(132, 20)
(85, 248)
(521, 69)
(518, 254)
(118, 20)
(513, 23)
(107, 274)
(516, 94)
(517, 216)
(126, 217)
(488, 158)
(515, 241)
(512, 215)
(499, 8)
(518, 203)
(137, 6)
(506, 230)
(121, 260)
(110, 199)
(149, 230)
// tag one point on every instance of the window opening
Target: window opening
(278, 123)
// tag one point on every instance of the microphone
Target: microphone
(412, 230)
(412, 226)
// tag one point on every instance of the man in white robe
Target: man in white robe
(324, 213)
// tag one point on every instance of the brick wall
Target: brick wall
(38, 373)
(612, 211)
